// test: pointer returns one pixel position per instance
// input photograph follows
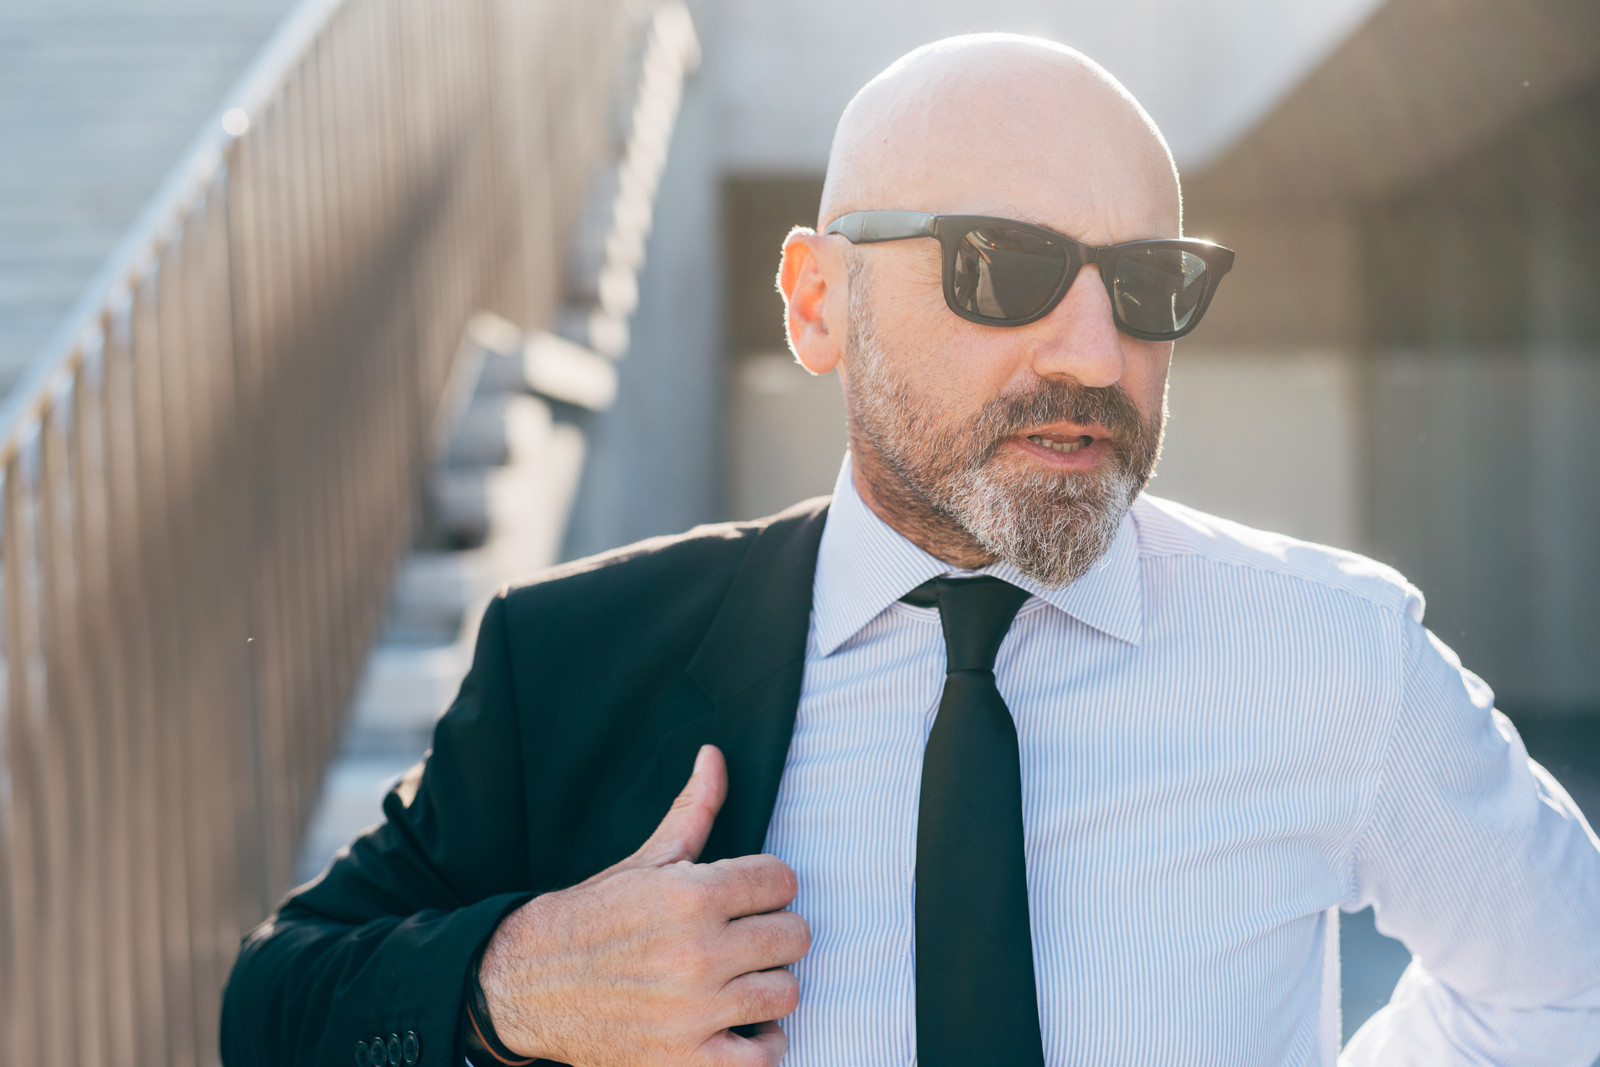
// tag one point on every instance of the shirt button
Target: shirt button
(411, 1047)
(363, 1057)
(380, 1054)
(394, 1049)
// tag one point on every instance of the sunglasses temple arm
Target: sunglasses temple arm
(868, 227)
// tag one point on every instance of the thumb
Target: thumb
(683, 832)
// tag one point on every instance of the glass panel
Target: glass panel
(1157, 290)
(1004, 273)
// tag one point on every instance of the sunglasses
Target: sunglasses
(1005, 273)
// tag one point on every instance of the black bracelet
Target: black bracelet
(477, 1030)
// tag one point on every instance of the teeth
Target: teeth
(1062, 446)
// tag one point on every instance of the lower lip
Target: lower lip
(1082, 459)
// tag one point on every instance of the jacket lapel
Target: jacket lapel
(750, 666)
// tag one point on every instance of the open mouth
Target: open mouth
(1061, 444)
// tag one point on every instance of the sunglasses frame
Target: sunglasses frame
(871, 227)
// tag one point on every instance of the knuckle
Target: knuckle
(785, 939)
(680, 890)
(702, 898)
(683, 1018)
(776, 997)
(801, 933)
(690, 959)
(780, 876)
(663, 849)
(786, 995)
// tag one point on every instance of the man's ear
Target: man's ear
(813, 283)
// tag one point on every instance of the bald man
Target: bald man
(991, 758)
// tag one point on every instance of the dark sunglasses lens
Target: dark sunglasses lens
(1158, 290)
(1005, 273)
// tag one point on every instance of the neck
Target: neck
(909, 515)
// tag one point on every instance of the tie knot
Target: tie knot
(975, 613)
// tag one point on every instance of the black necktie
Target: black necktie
(976, 1003)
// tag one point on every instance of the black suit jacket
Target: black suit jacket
(590, 692)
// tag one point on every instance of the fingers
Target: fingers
(762, 942)
(763, 1048)
(751, 885)
(758, 997)
(770, 1039)
(683, 832)
(762, 1045)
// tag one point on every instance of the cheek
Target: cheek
(1145, 374)
(918, 361)
(926, 347)
(909, 295)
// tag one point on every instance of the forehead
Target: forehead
(1030, 140)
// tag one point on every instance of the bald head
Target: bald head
(995, 124)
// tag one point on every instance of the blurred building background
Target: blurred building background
(1405, 361)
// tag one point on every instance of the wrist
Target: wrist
(484, 1046)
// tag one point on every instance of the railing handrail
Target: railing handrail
(144, 239)
(210, 475)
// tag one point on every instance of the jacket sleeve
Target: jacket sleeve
(1481, 864)
(379, 944)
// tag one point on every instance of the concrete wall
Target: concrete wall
(1267, 396)
(1268, 437)
(1441, 413)
(1485, 491)
(1204, 71)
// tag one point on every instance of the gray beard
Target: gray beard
(1051, 525)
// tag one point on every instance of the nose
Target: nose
(1079, 339)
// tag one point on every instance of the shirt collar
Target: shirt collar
(864, 565)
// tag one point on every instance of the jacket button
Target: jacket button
(380, 1054)
(411, 1047)
(394, 1049)
(363, 1056)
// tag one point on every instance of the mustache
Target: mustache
(1058, 401)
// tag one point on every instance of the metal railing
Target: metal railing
(207, 483)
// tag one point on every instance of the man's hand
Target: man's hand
(653, 960)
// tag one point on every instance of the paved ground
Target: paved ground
(98, 100)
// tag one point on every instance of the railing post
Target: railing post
(207, 484)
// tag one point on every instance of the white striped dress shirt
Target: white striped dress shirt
(1227, 736)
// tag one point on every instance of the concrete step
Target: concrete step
(402, 692)
(554, 367)
(505, 484)
(523, 512)
(351, 800)
(98, 100)
(510, 462)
